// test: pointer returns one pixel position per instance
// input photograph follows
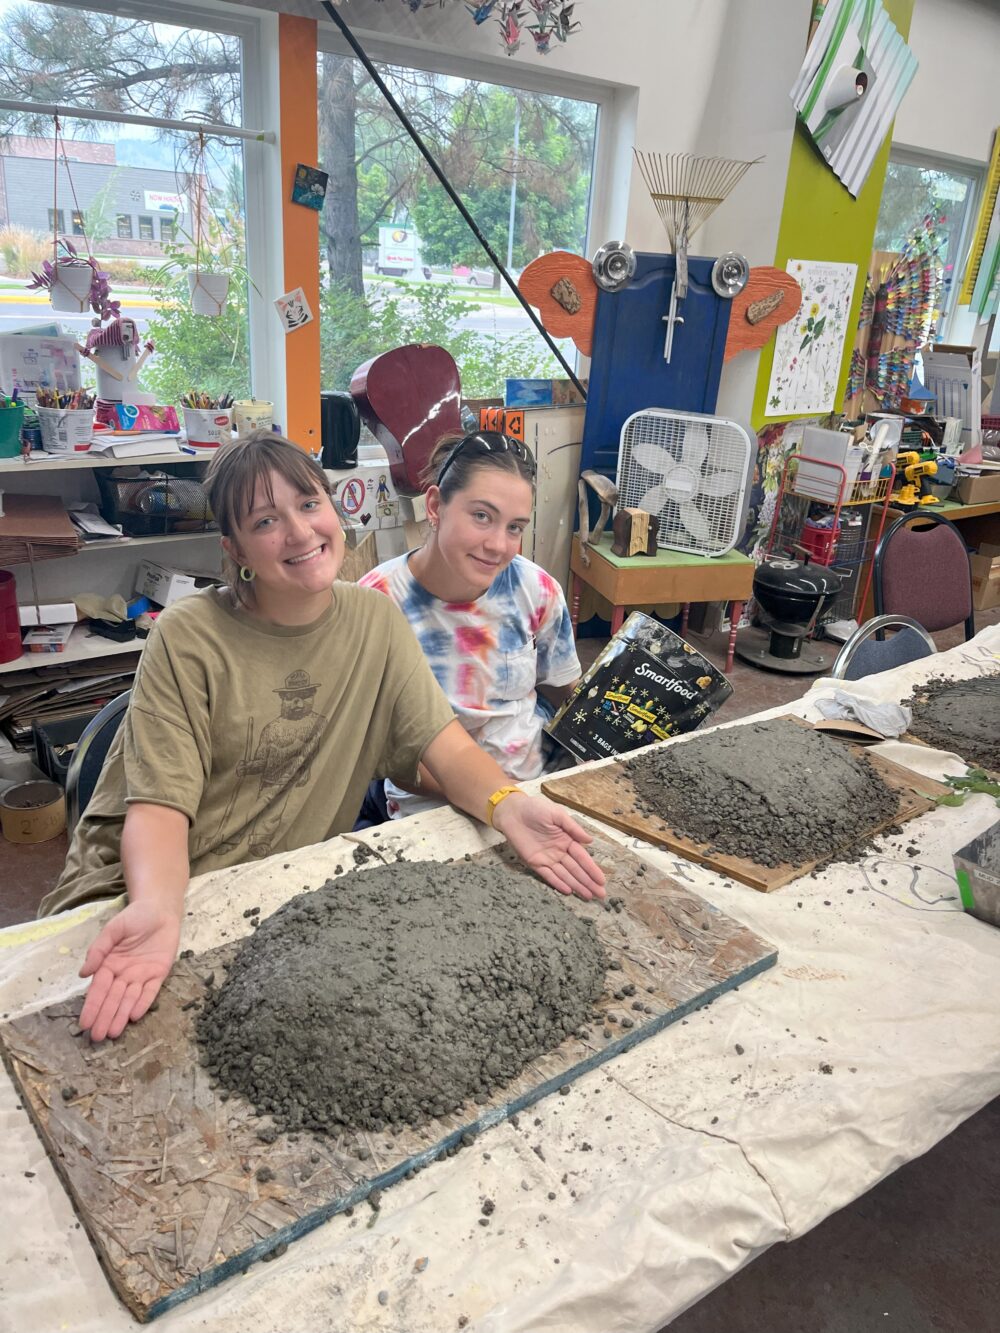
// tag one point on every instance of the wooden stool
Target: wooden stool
(668, 576)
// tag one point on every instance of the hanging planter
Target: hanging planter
(70, 288)
(209, 292)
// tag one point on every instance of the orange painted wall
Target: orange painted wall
(298, 100)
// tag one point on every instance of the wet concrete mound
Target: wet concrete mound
(771, 791)
(398, 993)
(962, 716)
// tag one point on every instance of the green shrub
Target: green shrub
(23, 251)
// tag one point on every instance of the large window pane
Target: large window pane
(179, 194)
(914, 191)
(399, 263)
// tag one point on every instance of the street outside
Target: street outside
(499, 312)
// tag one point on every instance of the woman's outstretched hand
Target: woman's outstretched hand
(549, 840)
(129, 962)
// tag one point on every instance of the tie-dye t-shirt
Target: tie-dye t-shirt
(488, 656)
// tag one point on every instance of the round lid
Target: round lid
(797, 576)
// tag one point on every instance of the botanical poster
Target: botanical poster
(809, 350)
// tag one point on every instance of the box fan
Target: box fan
(690, 471)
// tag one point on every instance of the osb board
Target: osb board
(608, 794)
(162, 1170)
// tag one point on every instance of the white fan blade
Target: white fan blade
(695, 445)
(721, 483)
(653, 457)
(695, 522)
(654, 499)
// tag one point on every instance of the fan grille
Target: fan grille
(716, 457)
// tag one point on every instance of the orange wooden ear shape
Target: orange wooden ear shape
(562, 289)
(771, 297)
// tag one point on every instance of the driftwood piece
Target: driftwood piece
(607, 492)
(635, 533)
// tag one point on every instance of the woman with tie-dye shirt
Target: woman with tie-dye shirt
(493, 626)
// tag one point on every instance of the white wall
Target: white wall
(953, 105)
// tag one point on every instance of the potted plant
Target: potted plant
(210, 261)
(75, 283)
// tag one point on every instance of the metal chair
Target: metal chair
(925, 574)
(862, 655)
(89, 756)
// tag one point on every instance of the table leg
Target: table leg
(617, 618)
(685, 612)
(574, 601)
(735, 616)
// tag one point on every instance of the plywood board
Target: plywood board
(163, 1170)
(607, 793)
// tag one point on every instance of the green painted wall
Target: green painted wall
(821, 220)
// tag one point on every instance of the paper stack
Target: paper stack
(35, 527)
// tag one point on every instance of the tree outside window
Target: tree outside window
(522, 162)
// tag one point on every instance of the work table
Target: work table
(741, 1126)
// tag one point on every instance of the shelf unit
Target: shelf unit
(101, 567)
(83, 646)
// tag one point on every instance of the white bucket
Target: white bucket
(71, 290)
(66, 431)
(208, 427)
(208, 292)
(252, 414)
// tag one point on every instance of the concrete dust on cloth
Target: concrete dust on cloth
(960, 715)
(398, 993)
(771, 791)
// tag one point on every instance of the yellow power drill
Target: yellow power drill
(908, 495)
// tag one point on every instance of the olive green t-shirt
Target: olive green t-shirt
(265, 736)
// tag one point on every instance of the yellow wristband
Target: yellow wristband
(500, 795)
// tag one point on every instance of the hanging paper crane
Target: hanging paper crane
(551, 19)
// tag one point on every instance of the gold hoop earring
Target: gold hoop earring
(247, 575)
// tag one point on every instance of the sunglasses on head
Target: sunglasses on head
(485, 442)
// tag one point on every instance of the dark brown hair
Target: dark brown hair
(234, 475)
(459, 474)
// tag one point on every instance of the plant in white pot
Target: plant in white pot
(75, 284)
(210, 263)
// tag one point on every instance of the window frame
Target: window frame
(57, 220)
(909, 156)
(261, 161)
(78, 221)
(146, 232)
(120, 234)
(607, 207)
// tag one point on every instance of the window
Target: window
(57, 220)
(398, 262)
(181, 61)
(918, 185)
(79, 229)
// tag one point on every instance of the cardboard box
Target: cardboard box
(164, 586)
(981, 490)
(985, 577)
(954, 375)
(53, 613)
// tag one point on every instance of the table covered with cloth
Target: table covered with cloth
(740, 1127)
